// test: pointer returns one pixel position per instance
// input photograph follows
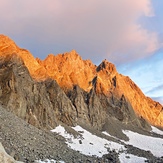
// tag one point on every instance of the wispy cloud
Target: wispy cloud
(155, 89)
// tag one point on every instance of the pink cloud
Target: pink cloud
(108, 25)
(134, 43)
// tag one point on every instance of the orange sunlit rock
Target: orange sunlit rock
(8, 47)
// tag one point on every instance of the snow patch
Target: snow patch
(156, 130)
(129, 158)
(88, 144)
(106, 133)
(92, 145)
(147, 143)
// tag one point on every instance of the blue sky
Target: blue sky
(127, 33)
(147, 72)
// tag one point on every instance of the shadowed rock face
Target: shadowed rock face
(42, 104)
(68, 89)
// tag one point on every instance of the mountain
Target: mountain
(69, 91)
(88, 92)
(69, 70)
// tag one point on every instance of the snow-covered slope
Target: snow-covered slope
(147, 143)
(129, 158)
(90, 144)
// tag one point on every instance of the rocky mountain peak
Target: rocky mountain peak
(105, 65)
(7, 46)
(69, 69)
(72, 55)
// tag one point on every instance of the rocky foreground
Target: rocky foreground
(27, 144)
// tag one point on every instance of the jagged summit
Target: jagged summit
(101, 92)
(107, 66)
(7, 46)
(72, 55)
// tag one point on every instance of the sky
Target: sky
(126, 33)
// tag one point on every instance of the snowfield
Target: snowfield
(88, 144)
(92, 145)
(147, 143)
(129, 158)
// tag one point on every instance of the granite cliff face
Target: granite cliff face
(39, 103)
(64, 88)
